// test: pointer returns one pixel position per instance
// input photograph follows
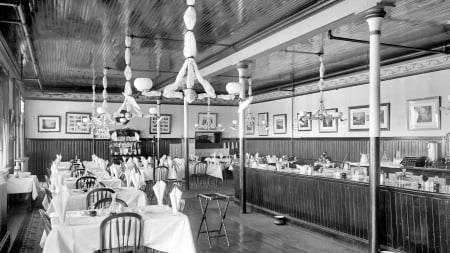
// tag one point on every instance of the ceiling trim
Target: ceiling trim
(409, 68)
(323, 20)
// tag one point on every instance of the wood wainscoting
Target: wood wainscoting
(409, 221)
(339, 149)
(43, 151)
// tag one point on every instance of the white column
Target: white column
(158, 130)
(186, 144)
(243, 81)
(374, 17)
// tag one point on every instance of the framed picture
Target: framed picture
(101, 133)
(49, 124)
(304, 125)
(207, 123)
(358, 117)
(424, 113)
(279, 124)
(250, 128)
(328, 125)
(263, 124)
(72, 123)
(165, 125)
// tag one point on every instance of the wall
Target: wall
(395, 91)
(34, 108)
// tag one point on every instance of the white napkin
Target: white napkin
(60, 205)
(175, 198)
(234, 156)
(159, 189)
(144, 162)
(137, 179)
(128, 177)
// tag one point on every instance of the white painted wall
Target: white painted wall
(34, 108)
(396, 92)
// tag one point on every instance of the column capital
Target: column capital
(243, 64)
(376, 12)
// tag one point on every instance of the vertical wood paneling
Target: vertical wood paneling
(43, 151)
(410, 221)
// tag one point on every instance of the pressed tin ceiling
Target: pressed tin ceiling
(68, 35)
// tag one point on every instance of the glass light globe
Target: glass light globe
(153, 111)
(337, 114)
(233, 88)
(263, 122)
(100, 110)
(143, 84)
(85, 120)
(123, 120)
(190, 95)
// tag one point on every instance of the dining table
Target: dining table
(77, 198)
(162, 231)
(23, 183)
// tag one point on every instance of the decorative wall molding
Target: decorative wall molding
(408, 68)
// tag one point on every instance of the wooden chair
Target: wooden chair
(46, 219)
(98, 194)
(161, 173)
(87, 181)
(121, 233)
(105, 203)
(199, 174)
(49, 195)
(77, 172)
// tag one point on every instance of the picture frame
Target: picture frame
(424, 113)
(305, 125)
(101, 133)
(250, 128)
(263, 124)
(280, 124)
(358, 117)
(49, 124)
(165, 125)
(72, 123)
(203, 118)
(329, 125)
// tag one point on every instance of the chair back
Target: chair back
(200, 168)
(105, 203)
(77, 172)
(87, 181)
(47, 181)
(49, 194)
(46, 219)
(97, 194)
(161, 173)
(121, 233)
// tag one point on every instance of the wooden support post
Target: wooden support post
(244, 72)
(186, 144)
(374, 17)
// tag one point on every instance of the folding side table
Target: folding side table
(204, 200)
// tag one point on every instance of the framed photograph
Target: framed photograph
(72, 123)
(165, 125)
(424, 113)
(49, 124)
(304, 125)
(328, 125)
(250, 128)
(279, 124)
(263, 124)
(358, 117)
(207, 123)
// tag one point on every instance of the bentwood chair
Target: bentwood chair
(87, 181)
(46, 220)
(105, 203)
(121, 233)
(200, 176)
(77, 172)
(98, 194)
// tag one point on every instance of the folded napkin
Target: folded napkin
(175, 198)
(159, 189)
(144, 162)
(234, 156)
(128, 177)
(60, 202)
(137, 179)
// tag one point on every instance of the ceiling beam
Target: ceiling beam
(315, 23)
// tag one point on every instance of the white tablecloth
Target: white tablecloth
(214, 170)
(110, 182)
(23, 185)
(77, 200)
(162, 231)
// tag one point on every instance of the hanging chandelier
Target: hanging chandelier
(321, 113)
(129, 107)
(189, 68)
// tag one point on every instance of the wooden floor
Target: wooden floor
(252, 232)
